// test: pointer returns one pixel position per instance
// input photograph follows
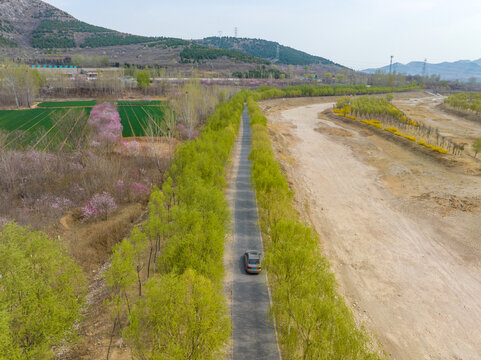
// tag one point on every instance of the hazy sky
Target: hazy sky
(355, 33)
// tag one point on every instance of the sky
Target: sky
(359, 34)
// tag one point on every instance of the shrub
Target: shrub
(100, 205)
(138, 190)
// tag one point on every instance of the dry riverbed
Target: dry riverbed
(402, 231)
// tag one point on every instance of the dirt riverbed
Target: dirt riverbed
(401, 230)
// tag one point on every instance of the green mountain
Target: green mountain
(268, 50)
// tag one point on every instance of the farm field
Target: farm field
(400, 228)
(54, 126)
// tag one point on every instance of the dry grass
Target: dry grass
(91, 243)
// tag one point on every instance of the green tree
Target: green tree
(119, 278)
(143, 79)
(42, 291)
(327, 77)
(476, 147)
(180, 317)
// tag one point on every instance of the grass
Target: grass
(53, 125)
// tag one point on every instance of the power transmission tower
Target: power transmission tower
(235, 31)
(278, 51)
(424, 67)
(390, 65)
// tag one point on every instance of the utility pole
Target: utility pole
(390, 65)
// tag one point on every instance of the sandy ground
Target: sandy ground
(425, 109)
(402, 231)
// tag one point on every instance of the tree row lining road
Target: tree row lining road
(253, 333)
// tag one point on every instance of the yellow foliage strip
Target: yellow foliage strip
(375, 123)
(438, 149)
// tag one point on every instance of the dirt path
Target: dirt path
(402, 232)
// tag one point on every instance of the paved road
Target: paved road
(253, 334)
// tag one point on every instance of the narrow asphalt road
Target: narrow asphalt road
(253, 332)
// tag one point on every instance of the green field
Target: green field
(67, 104)
(61, 125)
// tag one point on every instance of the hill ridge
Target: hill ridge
(455, 70)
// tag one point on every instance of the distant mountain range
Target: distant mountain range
(34, 27)
(458, 70)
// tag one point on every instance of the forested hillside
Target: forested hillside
(266, 50)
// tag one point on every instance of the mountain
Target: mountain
(39, 33)
(34, 23)
(459, 70)
(264, 49)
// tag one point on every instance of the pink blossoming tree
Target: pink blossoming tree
(100, 205)
(105, 121)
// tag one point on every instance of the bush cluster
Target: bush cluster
(313, 320)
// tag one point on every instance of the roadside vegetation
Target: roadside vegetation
(313, 322)
(165, 280)
(378, 112)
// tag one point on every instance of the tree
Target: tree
(20, 82)
(327, 77)
(179, 317)
(42, 292)
(476, 146)
(340, 78)
(119, 278)
(143, 79)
